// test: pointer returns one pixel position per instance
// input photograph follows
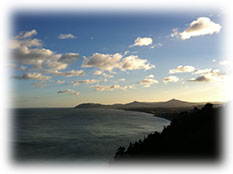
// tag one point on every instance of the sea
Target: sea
(85, 135)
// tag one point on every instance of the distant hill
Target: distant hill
(173, 103)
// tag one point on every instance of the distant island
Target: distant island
(168, 109)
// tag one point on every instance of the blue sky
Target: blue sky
(128, 47)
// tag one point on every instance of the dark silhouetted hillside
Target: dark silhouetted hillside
(191, 135)
(173, 103)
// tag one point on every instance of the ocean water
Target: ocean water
(77, 134)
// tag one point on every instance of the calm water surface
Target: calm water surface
(78, 134)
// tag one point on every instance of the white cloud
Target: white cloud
(150, 76)
(60, 82)
(133, 63)
(126, 52)
(201, 26)
(182, 69)
(87, 81)
(98, 72)
(124, 88)
(108, 62)
(27, 43)
(214, 75)
(35, 56)
(214, 60)
(171, 79)
(145, 41)
(202, 71)
(103, 61)
(26, 34)
(175, 33)
(70, 91)
(66, 36)
(69, 58)
(122, 80)
(147, 82)
(53, 66)
(32, 76)
(69, 73)
(105, 88)
(42, 59)
(107, 75)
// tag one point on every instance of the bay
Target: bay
(65, 134)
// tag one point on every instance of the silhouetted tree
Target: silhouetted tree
(193, 134)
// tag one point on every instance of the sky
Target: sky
(65, 59)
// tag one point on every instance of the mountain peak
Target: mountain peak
(173, 100)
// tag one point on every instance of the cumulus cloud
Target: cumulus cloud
(70, 91)
(87, 81)
(150, 76)
(145, 41)
(170, 79)
(214, 75)
(98, 72)
(69, 73)
(108, 62)
(201, 26)
(147, 82)
(133, 63)
(103, 61)
(69, 58)
(202, 71)
(26, 34)
(38, 57)
(27, 43)
(124, 88)
(182, 69)
(60, 82)
(66, 36)
(105, 88)
(201, 78)
(53, 66)
(107, 75)
(121, 79)
(32, 76)
(41, 59)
